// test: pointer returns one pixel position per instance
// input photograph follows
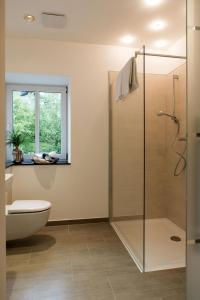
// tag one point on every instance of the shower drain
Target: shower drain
(175, 238)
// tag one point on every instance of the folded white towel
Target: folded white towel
(53, 154)
(127, 80)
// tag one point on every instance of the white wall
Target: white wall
(79, 190)
(2, 167)
(178, 48)
(162, 65)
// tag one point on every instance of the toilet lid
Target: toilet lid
(27, 206)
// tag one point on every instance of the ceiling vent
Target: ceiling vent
(52, 20)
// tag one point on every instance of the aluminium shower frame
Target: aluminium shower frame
(159, 55)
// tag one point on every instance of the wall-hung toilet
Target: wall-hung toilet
(26, 217)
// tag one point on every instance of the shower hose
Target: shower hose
(181, 163)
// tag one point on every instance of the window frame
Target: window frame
(37, 89)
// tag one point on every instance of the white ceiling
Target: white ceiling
(98, 21)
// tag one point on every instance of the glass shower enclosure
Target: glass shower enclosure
(147, 163)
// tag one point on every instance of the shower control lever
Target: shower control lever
(193, 242)
(196, 28)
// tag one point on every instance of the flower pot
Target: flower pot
(17, 155)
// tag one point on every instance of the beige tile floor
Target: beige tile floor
(83, 262)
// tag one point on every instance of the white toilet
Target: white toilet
(26, 217)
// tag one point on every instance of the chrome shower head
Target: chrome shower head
(160, 113)
(174, 118)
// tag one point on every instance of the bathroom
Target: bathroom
(105, 208)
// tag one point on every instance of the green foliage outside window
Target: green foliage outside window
(24, 108)
(24, 119)
(50, 122)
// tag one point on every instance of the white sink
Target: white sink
(8, 177)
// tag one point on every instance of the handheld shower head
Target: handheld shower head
(174, 118)
(160, 113)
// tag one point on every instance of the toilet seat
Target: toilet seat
(27, 206)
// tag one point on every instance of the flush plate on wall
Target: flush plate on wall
(52, 20)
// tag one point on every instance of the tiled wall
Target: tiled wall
(127, 153)
(157, 90)
(176, 188)
(165, 193)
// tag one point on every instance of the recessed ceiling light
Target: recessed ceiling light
(127, 39)
(153, 2)
(161, 43)
(29, 18)
(158, 25)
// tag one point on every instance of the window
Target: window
(40, 113)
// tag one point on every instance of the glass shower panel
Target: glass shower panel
(165, 162)
(193, 170)
(127, 166)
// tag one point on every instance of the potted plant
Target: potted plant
(16, 138)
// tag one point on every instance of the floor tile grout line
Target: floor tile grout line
(71, 270)
(112, 290)
(30, 255)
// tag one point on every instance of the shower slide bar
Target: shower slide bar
(159, 55)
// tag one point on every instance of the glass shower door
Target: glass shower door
(127, 166)
(193, 175)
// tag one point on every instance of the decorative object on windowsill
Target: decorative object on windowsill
(16, 139)
(45, 159)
